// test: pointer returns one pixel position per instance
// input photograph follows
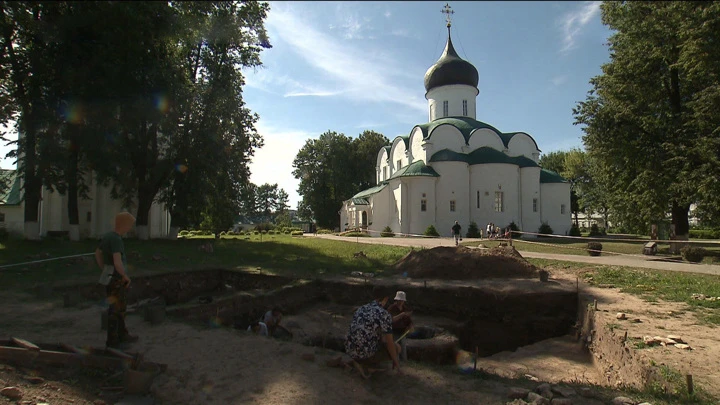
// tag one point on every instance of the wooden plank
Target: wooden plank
(50, 357)
(72, 349)
(25, 344)
(119, 353)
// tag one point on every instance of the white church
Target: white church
(456, 168)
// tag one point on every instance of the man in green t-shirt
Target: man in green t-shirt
(111, 252)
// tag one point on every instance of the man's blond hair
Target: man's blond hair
(123, 219)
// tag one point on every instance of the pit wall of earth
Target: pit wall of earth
(480, 318)
(613, 352)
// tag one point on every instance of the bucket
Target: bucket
(138, 382)
(156, 314)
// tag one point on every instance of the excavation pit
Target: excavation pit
(487, 316)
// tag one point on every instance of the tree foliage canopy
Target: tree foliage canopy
(652, 119)
(333, 168)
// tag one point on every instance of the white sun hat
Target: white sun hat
(400, 296)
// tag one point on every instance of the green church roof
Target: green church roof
(482, 156)
(360, 201)
(10, 195)
(370, 191)
(549, 176)
(417, 168)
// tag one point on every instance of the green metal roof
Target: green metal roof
(10, 195)
(466, 126)
(482, 156)
(371, 191)
(549, 176)
(417, 168)
(360, 201)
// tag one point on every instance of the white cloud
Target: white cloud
(402, 32)
(558, 80)
(273, 162)
(573, 22)
(265, 80)
(388, 14)
(365, 75)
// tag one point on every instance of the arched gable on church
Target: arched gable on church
(446, 136)
(398, 153)
(485, 137)
(416, 149)
(523, 144)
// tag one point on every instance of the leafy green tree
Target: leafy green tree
(366, 147)
(283, 220)
(473, 231)
(651, 119)
(554, 161)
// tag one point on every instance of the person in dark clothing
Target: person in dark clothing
(401, 314)
(110, 256)
(456, 232)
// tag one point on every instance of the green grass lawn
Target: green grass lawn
(277, 254)
(573, 247)
(651, 285)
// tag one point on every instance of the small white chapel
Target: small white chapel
(456, 168)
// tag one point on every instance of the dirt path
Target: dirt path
(615, 260)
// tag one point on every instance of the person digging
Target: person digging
(110, 256)
(401, 314)
(369, 341)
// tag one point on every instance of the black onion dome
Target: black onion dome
(450, 69)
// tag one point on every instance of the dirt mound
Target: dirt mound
(462, 263)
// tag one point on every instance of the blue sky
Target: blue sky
(352, 66)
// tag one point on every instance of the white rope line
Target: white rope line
(584, 238)
(45, 260)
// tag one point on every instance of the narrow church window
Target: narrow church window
(385, 173)
(534, 204)
(498, 201)
(562, 208)
(89, 216)
(398, 166)
(452, 205)
(478, 199)
(445, 108)
(423, 205)
(465, 108)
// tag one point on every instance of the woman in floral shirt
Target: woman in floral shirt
(369, 340)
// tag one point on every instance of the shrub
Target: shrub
(324, 232)
(265, 226)
(256, 232)
(357, 234)
(181, 233)
(431, 231)
(693, 254)
(296, 233)
(223, 233)
(705, 233)
(545, 229)
(473, 231)
(596, 231)
(387, 232)
(594, 248)
(515, 230)
(575, 231)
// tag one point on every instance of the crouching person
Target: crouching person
(369, 340)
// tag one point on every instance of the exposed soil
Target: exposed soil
(462, 263)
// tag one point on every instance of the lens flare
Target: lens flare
(162, 103)
(464, 361)
(73, 113)
(181, 168)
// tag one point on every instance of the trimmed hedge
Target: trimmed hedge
(594, 246)
(431, 231)
(473, 231)
(324, 232)
(705, 233)
(296, 233)
(357, 234)
(545, 229)
(575, 231)
(596, 231)
(693, 254)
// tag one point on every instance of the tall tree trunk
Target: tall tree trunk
(680, 218)
(72, 190)
(32, 183)
(145, 200)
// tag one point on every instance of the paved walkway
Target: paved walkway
(611, 260)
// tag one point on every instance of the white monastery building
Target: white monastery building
(456, 168)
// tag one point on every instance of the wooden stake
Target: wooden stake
(425, 283)
(577, 284)
(690, 387)
(476, 356)
(595, 304)
(625, 337)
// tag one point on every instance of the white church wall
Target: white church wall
(553, 196)
(382, 164)
(530, 186)
(419, 189)
(380, 206)
(454, 95)
(488, 179)
(446, 137)
(522, 144)
(416, 148)
(452, 186)
(398, 154)
(484, 137)
(396, 206)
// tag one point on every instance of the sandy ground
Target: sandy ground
(218, 366)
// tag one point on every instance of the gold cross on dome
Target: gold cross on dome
(448, 10)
